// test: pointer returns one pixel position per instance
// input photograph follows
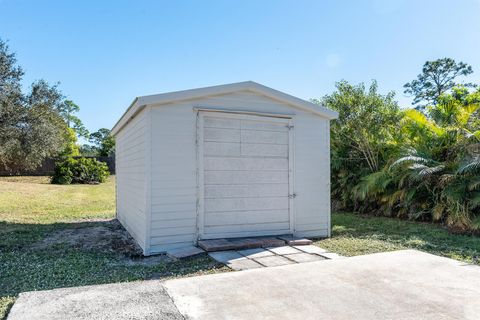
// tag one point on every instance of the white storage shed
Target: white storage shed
(233, 160)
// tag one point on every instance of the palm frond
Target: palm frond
(437, 211)
(476, 134)
(463, 114)
(474, 184)
(421, 120)
(469, 167)
(418, 167)
(475, 201)
(395, 197)
(409, 158)
(446, 179)
(372, 184)
(429, 171)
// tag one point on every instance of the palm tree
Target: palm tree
(438, 174)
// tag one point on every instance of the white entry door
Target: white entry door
(245, 175)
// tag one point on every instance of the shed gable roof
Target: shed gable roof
(164, 98)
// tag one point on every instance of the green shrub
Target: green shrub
(63, 171)
(81, 170)
(420, 165)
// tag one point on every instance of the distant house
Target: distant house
(233, 160)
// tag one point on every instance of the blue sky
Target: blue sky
(104, 53)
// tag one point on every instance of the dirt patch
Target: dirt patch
(105, 236)
(146, 261)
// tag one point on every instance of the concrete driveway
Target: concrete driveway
(396, 285)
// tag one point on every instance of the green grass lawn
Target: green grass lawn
(34, 200)
(32, 211)
(356, 235)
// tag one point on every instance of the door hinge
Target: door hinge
(292, 196)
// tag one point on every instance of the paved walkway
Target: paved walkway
(118, 301)
(396, 285)
(271, 257)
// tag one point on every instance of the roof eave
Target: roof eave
(122, 121)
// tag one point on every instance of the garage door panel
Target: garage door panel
(252, 136)
(251, 190)
(245, 217)
(241, 204)
(266, 150)
(221, 149)
(263, 126)
(212, 122)
(245, 176)
(279, 227)
(221, 135)
(242, 164)
(242, 177)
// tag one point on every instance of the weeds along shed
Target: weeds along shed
(233, 160)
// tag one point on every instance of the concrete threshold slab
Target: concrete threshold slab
(295, 241)
(239, 243)
(185, 252)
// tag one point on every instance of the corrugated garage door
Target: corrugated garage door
(245, 177)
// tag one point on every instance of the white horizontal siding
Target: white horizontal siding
(265, 137)
(162, 209)
(243, 204)
(246, 217)
(240, 177)
(173, 178)
(173, 223)
(131, 190)
(245, 190)
(245, 164)
(312, 176)
(167, 240)
(258, 149)
(318, 233)
(173, 215)
(266, 227)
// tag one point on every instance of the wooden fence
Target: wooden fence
(48, 167)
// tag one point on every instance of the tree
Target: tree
(10, 73)
(362, 136)
(30, 126)
(12, 111)
(88, 150)
(103, 141)
(365, 118)
(71, 148)
(67, 111)
(437, 77)
(436, 175)
(30, 130)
